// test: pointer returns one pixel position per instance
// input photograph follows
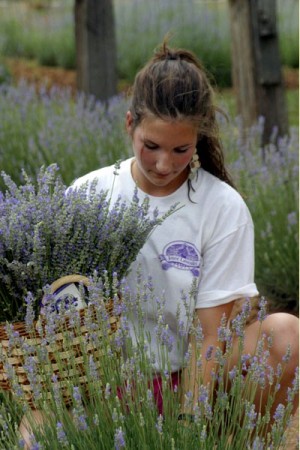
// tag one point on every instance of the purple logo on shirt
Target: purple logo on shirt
(182, 255)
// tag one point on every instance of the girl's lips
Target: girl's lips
(162, 175)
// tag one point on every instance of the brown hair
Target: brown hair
(174, 85)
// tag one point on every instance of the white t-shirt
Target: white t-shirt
(206, 245)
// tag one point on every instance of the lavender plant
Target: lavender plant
(40, 128)
(120, 411)
(268, 177)
(46, 233)
(203, 28)
(45, 127)
(47, 35)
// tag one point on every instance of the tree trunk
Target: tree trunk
(96, 48)
(256, 68)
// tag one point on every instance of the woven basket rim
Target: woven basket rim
(21, 327)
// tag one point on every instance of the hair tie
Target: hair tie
(172, 56)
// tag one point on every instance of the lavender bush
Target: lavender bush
(203, 28)
(46, 234)
(268, 177)
(107, 419)
(40, 128)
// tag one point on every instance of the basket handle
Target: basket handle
(75, 278)
(68, 279)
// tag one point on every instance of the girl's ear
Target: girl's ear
(128, 122)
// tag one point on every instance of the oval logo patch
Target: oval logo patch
(182, 255)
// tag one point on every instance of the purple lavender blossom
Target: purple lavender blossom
(79, 413)
(150, 400)
(21, 443)
(29, 317)
(287, 355)
(32, 370)
(61, 435)
(292, 219)
(203, 434)
(232, 373)
(77, 396)
(119, 439)
(159, 424)
(181, 328)
(250, 416)
(14, 382)
(262, 313)
(209, 352)
(188, 399)
(115, 416)
(292, 391)
(34, 445)
(204, 402)
(279, 413)
(258, 444)
(56, 392)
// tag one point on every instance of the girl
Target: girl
(209, 242)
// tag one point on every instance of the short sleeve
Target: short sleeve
(227, 271)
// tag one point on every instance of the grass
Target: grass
(47, 34)
(292, 96)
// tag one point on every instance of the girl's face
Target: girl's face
(163, 150)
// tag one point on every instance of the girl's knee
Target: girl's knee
(35, 419)
(284, 329)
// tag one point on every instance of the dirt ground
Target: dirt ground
(49, 76)
(41, 75)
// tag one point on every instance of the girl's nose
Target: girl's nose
(163, 164)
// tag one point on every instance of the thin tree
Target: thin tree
(96, 48)
(256, 67)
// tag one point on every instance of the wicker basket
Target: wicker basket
(64, 358)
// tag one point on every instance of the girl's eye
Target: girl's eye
(150, 146)
(181, 150)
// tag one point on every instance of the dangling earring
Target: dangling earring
(195, 164)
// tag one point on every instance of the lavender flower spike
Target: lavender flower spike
(119, 439)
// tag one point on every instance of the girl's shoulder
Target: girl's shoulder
(104, 176)
(210, 185)
(218, 195)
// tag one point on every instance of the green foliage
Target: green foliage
(292, 96)
(288, 25)
(5, 75)
(227, 100)
(201, 28)
(47, 34)
(36, 34)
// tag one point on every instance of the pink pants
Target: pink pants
(156, 387)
